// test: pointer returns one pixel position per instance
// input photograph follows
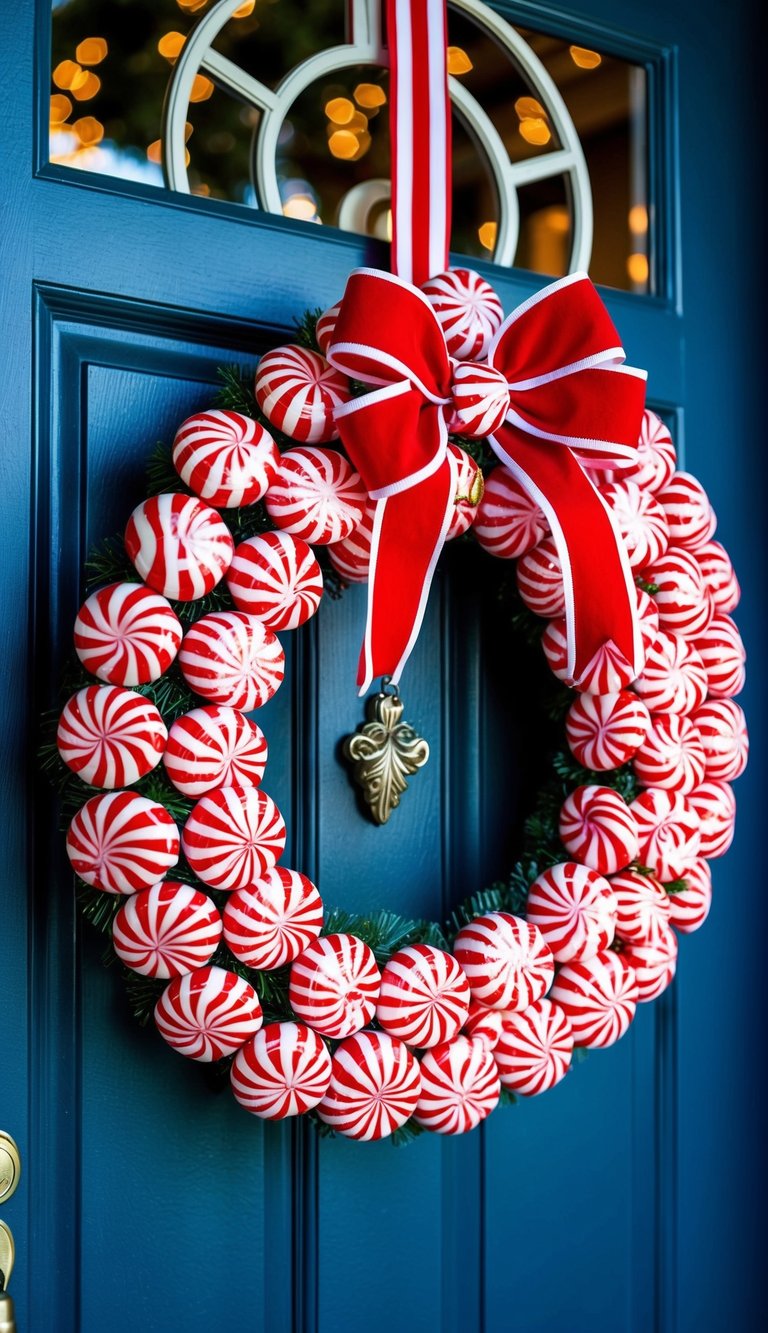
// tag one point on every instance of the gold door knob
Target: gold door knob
(10, 1166)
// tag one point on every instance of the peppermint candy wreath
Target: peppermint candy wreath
(386, 1027)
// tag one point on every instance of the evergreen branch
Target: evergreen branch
(306, 329)
(109, 563)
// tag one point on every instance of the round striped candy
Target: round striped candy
(326, 327)
(424, 998)
(642, 907)
(596, 827)
(689, 908)
(723, 731)
(483, 1024)
(507, 961)
(179, 545)
(509, 522)
(227, 459)
(233, 836)
(469, 489)
(317, 496)
(673, 679)
(535, 1048)
(167, 930)
(719, 577)
(232, 658)
(109, 736)
(690, 516)
(276, 577)
(480, 400)
(599, 996)
(668, 832)
(468, 310)
(575, 910)
(656, 459)
(351, 557)
(540, 580)
(723, 656)
(608, 672)
(208, 1014)
(268, 924)
(640, 519)
(335, 985)
(214, 747)
(374, 1087)
(604, 730)
(672, 755)
(653, 965)
(715, 804)
(284, 1070)
(298, 392)
(121, 842)
(460, 1086)
(126, 634)
(684, 607)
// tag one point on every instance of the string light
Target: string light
(88, 88)
(170, 45)
(301, 206)
(535, 130)
(191, 6)
(458, 60)
(61, 109)
(526, 107)
(638, 219)
(584, 58)
(245, 9)
(201, 89)
(91, 51)
(369, 95)
(340, 110)
(69, 75)
(343, 144)
(637, 268)
(487, 234)
(88, 130)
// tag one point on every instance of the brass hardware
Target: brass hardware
(10, 1166)
(7, 1315)
(7, 1256)
(384, 751)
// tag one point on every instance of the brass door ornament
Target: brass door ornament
(384, 751)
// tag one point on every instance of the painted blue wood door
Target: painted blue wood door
(626, 1199)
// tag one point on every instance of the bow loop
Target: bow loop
(387, 331)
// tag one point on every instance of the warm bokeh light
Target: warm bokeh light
(584, 58)
(89, 130)
(340, 110)
(191, 6)
(301, 206)
(637, 268)
(555, 218)
(638, 219)
(369, 95)
(88, 88)
(69, 75)
(170, 44)
(245, 9)
(61, 108)
(535, 130)
(344, 144)
(528, 107)
(155, 151)
(487, 234)
(363, 144)
(91, 51)
(201, 89)
(188, 127)
(458, 60)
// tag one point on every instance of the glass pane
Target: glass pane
(112, 64)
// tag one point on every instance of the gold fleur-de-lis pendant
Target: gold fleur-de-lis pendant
(384, 751)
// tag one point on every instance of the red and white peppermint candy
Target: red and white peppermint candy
(642, 907)
(507, 961)
(689, 909)
(111, 737)
(227, 459)
(509, 522)
(715, 804)
(604, 730)
(653, 965)
(690, 516)
(719, 577)
(208, 1014)
(672, 755)
(540, 580)
(233, 836)
(483, 1024)
(121, 842)
(684, 607)
(232, 658)
(214, 747)
(276, 577)
(656, 457)
(317, 496)
(480, 400)
(126, 634)
(609, 671)
(596, 827)
(167, 930)
(326, 327)
(668, 832)
(469, 483)
(599, 996)
(468, 310)
(298, 392)
(460, 1086)
(723, 731)
(179, 545)
(424, 998)
(374, 1087)
(640, 519)
(575, 910)
(284, 1070)
(352, 557)
(335, 985)
(673, 679)
(535, 1048)
(268, 924)
(723, 656)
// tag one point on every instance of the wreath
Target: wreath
(410, 415)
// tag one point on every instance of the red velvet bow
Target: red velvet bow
(561, 357)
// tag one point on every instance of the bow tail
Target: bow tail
(600, 602)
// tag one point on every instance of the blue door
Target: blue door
(624, 1201)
